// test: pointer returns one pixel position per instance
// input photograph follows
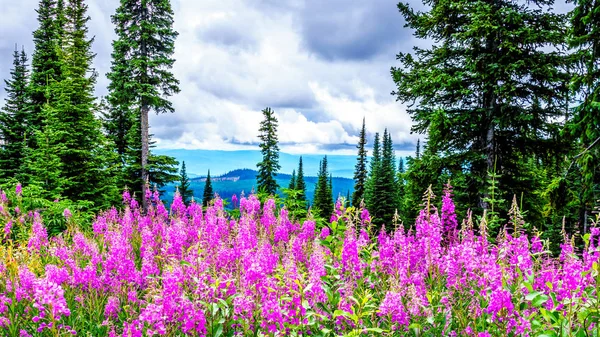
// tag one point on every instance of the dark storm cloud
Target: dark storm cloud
(351, 29)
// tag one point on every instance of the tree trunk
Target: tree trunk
(145, 125)
(145, 151)
(144, 116)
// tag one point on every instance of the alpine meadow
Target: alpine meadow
(240, 168)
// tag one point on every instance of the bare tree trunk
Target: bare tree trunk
(145, 151)
(145, 125)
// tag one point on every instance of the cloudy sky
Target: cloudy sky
(320, 64)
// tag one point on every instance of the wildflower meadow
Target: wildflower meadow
(186, 271)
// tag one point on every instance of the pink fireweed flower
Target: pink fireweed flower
(393, 307)
(18, 190)
(234, 200)
(178, 207)
(449, 222)
(39, 236)
(350, 260)
(8, 227)
(365, 217)
(112, 308)
(67, 213)
(126, 197)
(324, 232)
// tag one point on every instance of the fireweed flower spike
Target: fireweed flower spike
(180, 270)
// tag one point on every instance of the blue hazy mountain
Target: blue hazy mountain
(236, 181)
(198, 162)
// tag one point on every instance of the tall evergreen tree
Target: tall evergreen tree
(268, 167)
(46, 64)
(70, 126)
(584, 126)
(486, 92)
(141, 77)
(373, 174)
(292, 184)
(184, 185)
(360, 171)
(401, 180)
(13, 119)
(323, 200)
(383, 202)
(300, 183)
(208, 191)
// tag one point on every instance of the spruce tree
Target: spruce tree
(401, 181)
(383, 202)
(141, 77)
(330, 189)
(268, 167)
(360, 171)
(300, 183)
(13, 119)
(184, 185)
(46, 65)
(373, 174)
(208, 191)
(70, 128)
(292, 184)
(584, 126)
(323, 200)
(486, 91)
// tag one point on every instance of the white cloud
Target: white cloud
(236, 57)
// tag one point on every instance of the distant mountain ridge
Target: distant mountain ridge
(198, 162)
(244, 180)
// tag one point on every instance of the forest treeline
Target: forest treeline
(505, 94)
(57, 136)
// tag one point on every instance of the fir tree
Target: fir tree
(184, 185)
(485, 90)
(300, 183)
(208, 191)
(140, 75)
(292, 184)
(13, 119)
(268, 167)
(360, 171)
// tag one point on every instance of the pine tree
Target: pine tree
(476, 88)
(208, 191)
(268, 167)
(323, 200)
(300, 183)
(360, 171)
(292, 184)
(140, 75)
(46, 65)
(184, 185)
(13, 119)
